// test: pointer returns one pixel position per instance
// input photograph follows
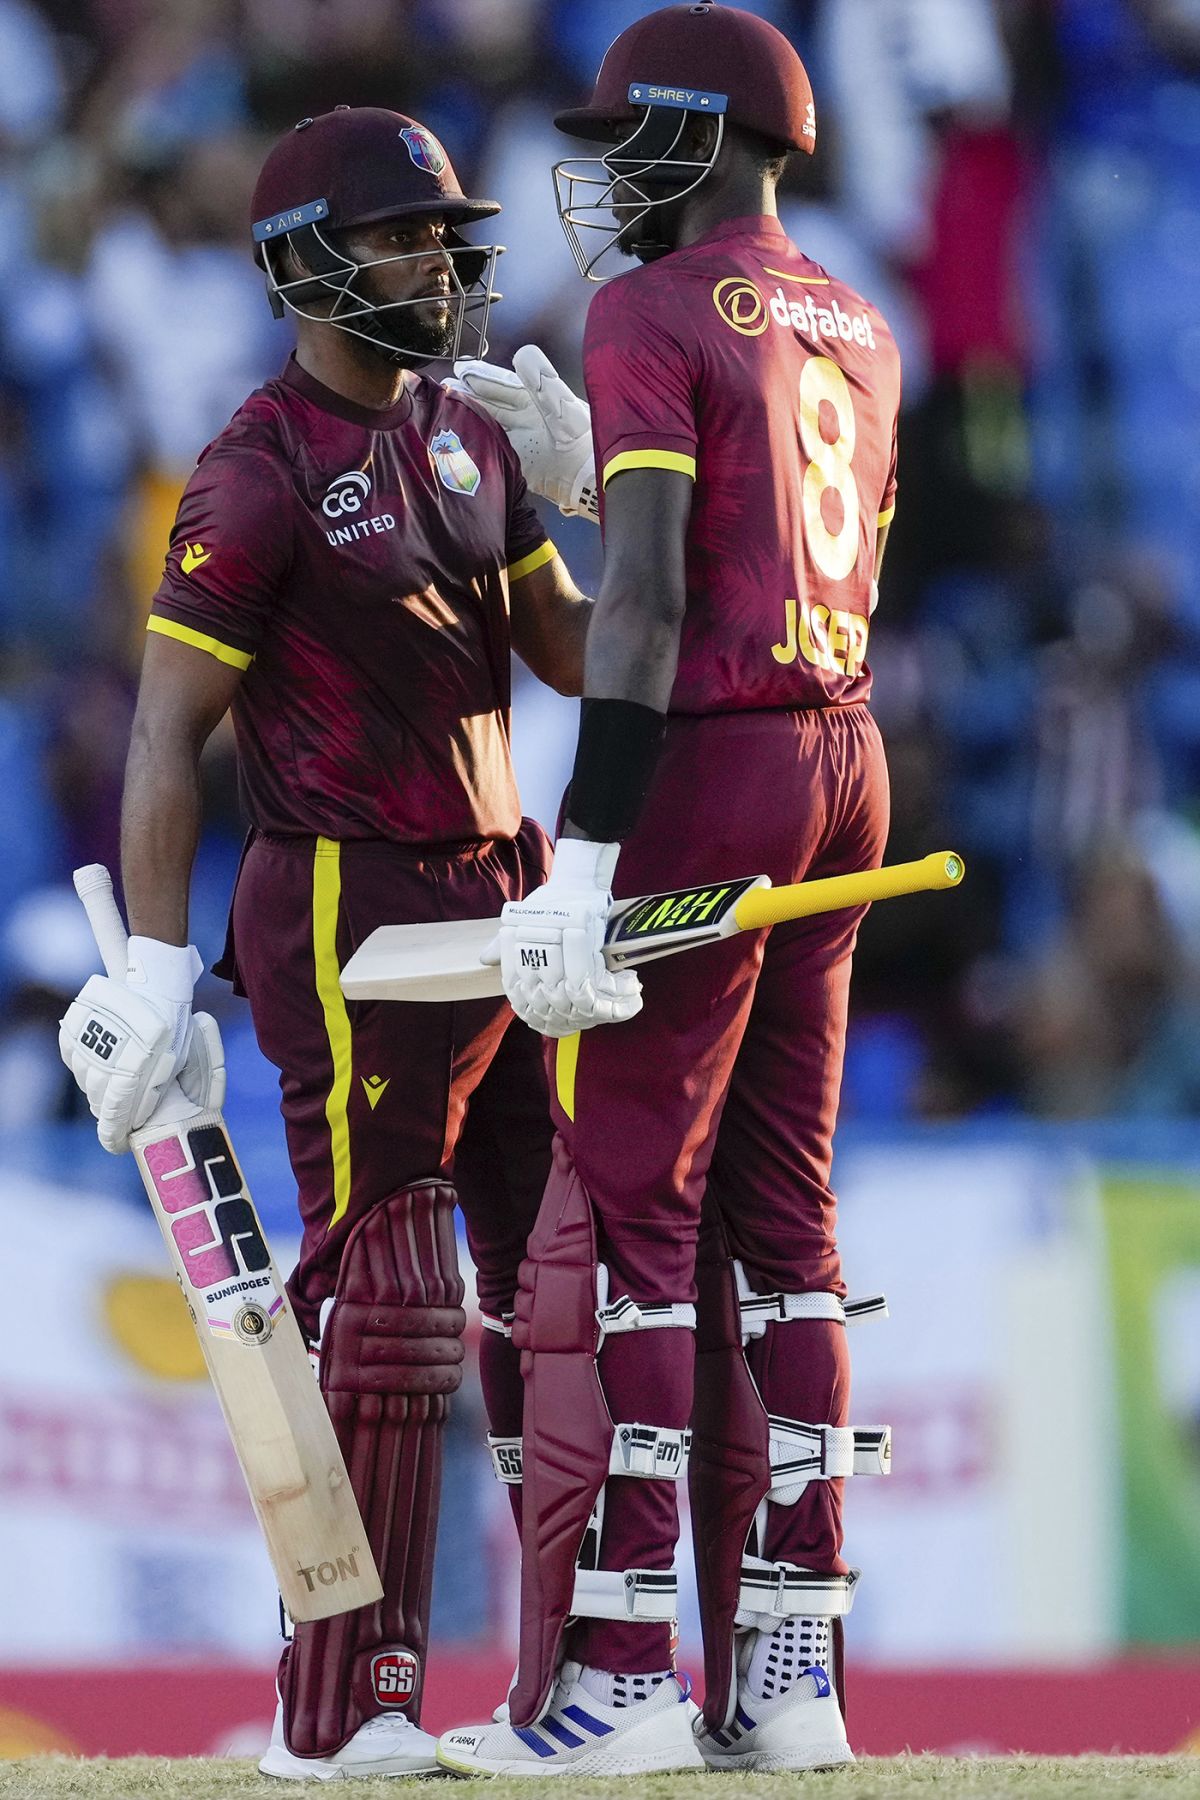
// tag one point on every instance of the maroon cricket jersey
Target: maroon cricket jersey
(356, 564)
(745, 365)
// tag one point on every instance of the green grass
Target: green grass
(875, 1778)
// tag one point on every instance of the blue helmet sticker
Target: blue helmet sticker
(654, 93)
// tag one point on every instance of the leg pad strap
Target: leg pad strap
(802, 1453)
(651, 1595)
(656, 1452)
(770, 1592)
(760, 1310)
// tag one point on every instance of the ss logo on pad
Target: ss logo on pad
(96, 1038)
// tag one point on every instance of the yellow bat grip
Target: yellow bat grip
(774, 906)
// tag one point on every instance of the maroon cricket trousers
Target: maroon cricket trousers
(378, 1095)
(723, 1092)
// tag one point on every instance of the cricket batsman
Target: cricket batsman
(352, 561)
(683, 1295)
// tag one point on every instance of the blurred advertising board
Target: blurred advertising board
(1040, 1367)
(1153, 1228)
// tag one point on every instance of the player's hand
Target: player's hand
(124, 1041)
(550, 947)
(548, 426)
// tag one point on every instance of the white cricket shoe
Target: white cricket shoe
(787, 1714)
(387, 1745)
(580, 1735)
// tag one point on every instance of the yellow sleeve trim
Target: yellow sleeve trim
(885, 518)
(650, 459)
(800, 280)
(237, 659)
(537, 559)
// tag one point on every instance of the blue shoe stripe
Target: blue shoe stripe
(719, 1737)
(746, 1724)
(570, 1740)
(533, 1741)
(597, 1726)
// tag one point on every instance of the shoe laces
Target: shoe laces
(390, 1722)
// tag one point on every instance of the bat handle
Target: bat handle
(94, 886)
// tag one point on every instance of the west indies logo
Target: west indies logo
(454, 466)
(424, 148)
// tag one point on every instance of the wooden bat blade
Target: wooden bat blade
(440, 961)
(425, 962)
(277, 1420)
(280, 1429)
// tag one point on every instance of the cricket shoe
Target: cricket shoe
(787, 1715)
(581, 1735)
(387, 1745)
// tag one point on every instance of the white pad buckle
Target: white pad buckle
(502, 1324)
(658, 1452)
(773, 1591)
(802, 1453)
(651, 1595)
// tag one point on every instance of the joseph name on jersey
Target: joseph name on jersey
(355, 564)
(743, 364)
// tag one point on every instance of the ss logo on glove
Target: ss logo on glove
(98, 1039)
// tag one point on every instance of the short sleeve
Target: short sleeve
(526, 546)
(887, 506)
(639, 384)
(230, 547)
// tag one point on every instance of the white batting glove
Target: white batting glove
(124, 1041)
(548, 426)
(550, 947)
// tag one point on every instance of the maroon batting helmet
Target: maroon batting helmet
(360, 165)
(665, 71)
(701, 51)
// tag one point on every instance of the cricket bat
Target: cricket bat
(441, 961)
(281, 1432)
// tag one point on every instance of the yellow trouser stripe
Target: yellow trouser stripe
(237, 659)
(886, 517)
(535, 560)
(327, 893)
(650, 459)
(566, 1061)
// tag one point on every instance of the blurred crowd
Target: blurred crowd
(1015, 183)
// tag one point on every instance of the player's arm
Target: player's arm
(183, 696)
(127, 1035)
(125, 1041)
(550, 624)
(633, 640)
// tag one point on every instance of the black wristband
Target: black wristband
(619, 742)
